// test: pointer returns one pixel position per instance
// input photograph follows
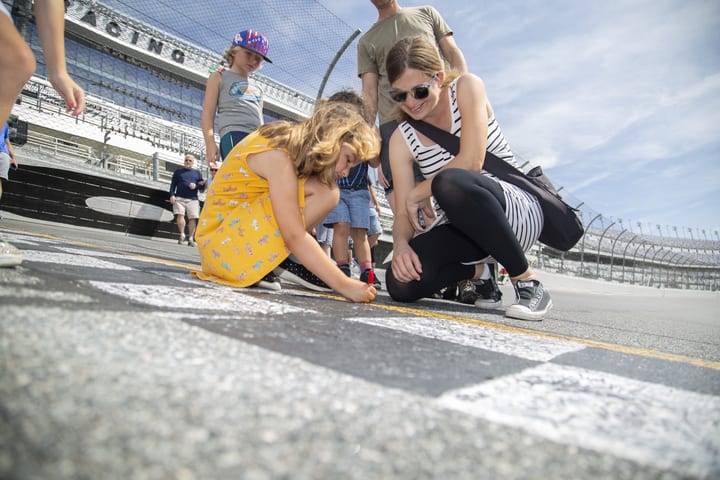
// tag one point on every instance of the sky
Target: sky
(616, 100)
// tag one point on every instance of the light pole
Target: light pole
(597, 272)
(642, 271)
(582, 244)
(642, 243)
(612, 251)
(622, 279)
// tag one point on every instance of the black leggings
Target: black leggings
(475, 207)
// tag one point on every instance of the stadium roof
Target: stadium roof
(304, 35)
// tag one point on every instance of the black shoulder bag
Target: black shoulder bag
(562, 228)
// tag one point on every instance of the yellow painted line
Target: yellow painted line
(643, 352)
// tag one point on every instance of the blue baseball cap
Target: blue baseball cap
(254, 41)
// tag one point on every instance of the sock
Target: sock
(485, 273)
(365, 266)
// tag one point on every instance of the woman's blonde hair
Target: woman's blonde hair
(314, 144)
(417, 53)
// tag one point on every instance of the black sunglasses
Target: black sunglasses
(418, 92)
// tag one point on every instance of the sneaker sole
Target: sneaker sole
(274, 286)
(490, 304)
(11, 261)
(291, 277)
(523, 313)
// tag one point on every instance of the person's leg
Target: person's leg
(441, 251)
(341, 252)
(180, 221)
(193, 213)
(17, 64)
(475, 205)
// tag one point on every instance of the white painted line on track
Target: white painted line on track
(645, 422)
(102, 254)
(192, 299)
(75, 260)
(516, 344)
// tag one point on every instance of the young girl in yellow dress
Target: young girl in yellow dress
(272, 188)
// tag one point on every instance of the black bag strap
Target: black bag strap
(445, 139)
(451, 143)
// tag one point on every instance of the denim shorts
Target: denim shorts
(352, 208)
(375, 226)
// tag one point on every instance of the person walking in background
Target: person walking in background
(17, 63)
(9, 255)
(350, 218)
(184, 187)
(229, 94)
(477, 215)
(273, 188)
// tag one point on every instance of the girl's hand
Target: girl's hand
(359, 292)
(406, 265)
(71, 93)
(212, 154)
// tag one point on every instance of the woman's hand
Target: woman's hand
(406, 265)
(416, 206)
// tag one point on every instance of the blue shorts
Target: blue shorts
(228, 141)
(352, 208)
(375, 227)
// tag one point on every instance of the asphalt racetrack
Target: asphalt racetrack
(115, 363)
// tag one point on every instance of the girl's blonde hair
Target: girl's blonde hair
(417, 53)
(229, 55)
(314, 144)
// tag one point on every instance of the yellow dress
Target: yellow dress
(237, 234)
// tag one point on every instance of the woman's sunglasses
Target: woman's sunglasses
(418, 92)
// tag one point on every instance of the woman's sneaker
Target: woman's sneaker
(532, 301)
(269, 282)
(488, 294)
(297, 273)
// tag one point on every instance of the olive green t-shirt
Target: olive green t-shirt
(375, 44)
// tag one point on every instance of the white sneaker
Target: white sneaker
(9, 255)
(182, 239)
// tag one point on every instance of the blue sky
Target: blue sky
(617, 100)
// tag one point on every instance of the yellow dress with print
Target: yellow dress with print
(237, 234)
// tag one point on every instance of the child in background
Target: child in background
(273, 187)
(351, 217)
(228, 93)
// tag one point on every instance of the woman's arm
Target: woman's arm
(277, 168)
(406, 264)
(207, 118)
